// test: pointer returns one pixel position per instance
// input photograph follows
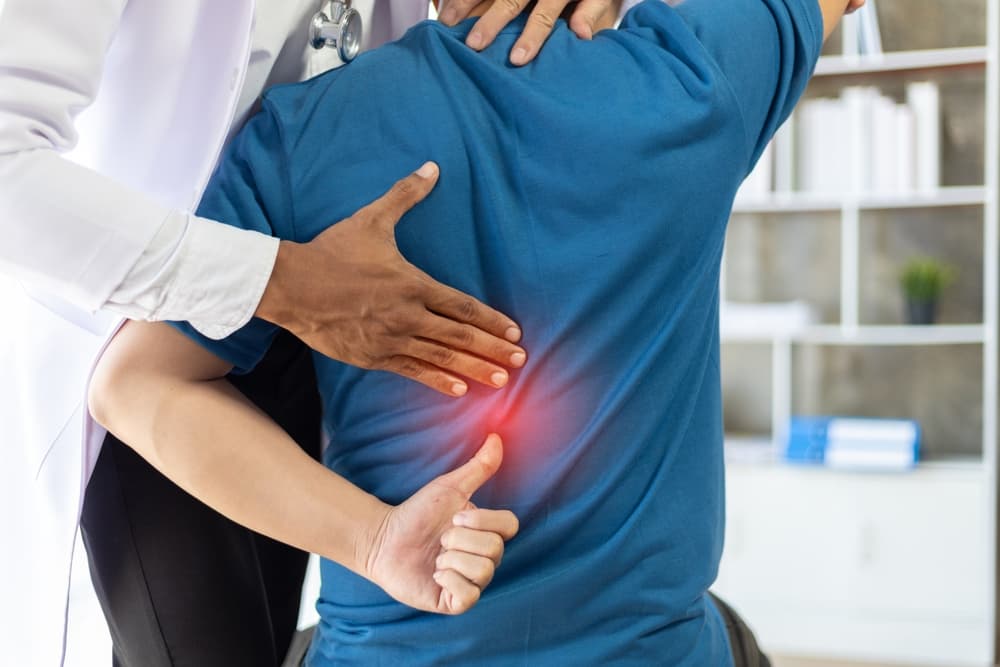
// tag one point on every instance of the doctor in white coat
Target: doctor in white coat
(112, 115)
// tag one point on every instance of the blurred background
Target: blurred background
(859, 352)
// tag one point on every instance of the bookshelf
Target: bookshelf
(873, 566)
(888, 63)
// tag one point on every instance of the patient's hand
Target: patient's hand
(437, 551)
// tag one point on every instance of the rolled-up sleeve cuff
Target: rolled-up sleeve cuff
(224, 270)
(205, 273)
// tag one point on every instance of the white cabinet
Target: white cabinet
(864, 566)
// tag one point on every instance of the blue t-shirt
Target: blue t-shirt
(586, 195)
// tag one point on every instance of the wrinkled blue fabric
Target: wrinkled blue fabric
(586, 195)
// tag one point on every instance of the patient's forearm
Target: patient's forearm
(214, 443)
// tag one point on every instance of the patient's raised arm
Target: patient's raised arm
(167, 397)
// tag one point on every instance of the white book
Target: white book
(885, 148)
(850, 34)
(784, 156)
(755, 320)
(869, 32)
(808, 138)
(924, 99)
(858, 105)
(849, 458)
(872, 432)
(835, 157)
(906, 140)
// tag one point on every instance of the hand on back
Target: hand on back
(350, 294)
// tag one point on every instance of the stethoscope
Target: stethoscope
(341, 29)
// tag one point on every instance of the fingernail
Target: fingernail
(459, 389)
(427, 170)
(518, 358)
(520, 56)
(498, 379)
(460, 519)
(475, 39)
(513, 334)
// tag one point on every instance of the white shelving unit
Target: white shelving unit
(899, 567)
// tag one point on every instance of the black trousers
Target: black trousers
(181, 585)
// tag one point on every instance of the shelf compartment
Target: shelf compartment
(901, 335)
(904, 61)
(804, 202)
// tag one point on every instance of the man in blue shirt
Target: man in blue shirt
(588, 198)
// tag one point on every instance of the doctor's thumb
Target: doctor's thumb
(404, 195)
(480, 468)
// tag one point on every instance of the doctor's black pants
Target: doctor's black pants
(181, 585)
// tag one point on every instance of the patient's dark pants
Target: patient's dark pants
(180, 584)
(746, 652)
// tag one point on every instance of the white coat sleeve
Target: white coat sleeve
(79, 235)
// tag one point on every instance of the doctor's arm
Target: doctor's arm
(166, 395)
(90, 240)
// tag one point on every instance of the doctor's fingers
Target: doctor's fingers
(447, 326)
(543, 19)
(459, 363)
(426, 374)
(539, 26)
(463, 309)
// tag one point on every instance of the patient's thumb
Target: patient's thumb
(477, 470)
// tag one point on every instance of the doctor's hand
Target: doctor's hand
(350, 294)
(586, 19)
(437, 551)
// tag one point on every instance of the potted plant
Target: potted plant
(923, 279)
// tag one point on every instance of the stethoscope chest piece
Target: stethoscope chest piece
(340, 29)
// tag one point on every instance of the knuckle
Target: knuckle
(543, 19)
(443, 356)
(510, 7)
(448, 539)
(404, 187)
(411, 368)
(468, 599)
(464, 337)
(466, 309)
(495, 547)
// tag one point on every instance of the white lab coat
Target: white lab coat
(168, 80)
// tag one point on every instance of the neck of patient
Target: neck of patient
(607, 21)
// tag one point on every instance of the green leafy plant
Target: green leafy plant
(924, 278)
